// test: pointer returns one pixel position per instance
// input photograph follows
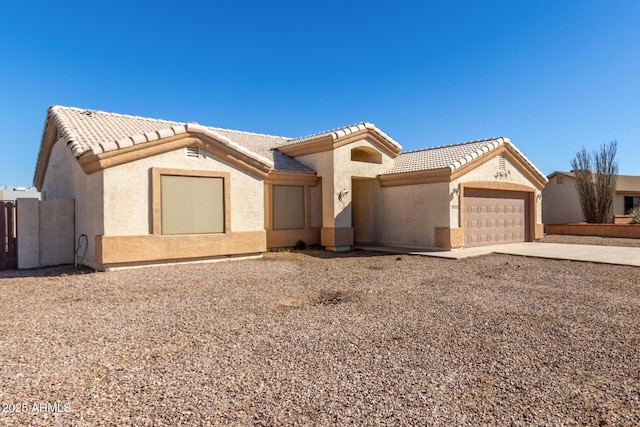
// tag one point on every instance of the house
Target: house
(150, 191)
(562, 204)
(11, 193)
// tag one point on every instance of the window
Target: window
(630, 203)
(288, 207)
(192, 204)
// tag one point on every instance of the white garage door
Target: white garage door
(492, 217)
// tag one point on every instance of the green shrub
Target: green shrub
(300, 245)
(635, 215)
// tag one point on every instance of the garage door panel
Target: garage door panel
(493, 217)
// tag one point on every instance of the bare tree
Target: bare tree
(596, 175)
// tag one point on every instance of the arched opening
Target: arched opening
(366, 154)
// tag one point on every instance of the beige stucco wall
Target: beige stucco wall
(336, 169)
(560, 202)
(400, 216)
(127, 193)
(488, 172)
(618, 202)
(411, 213)
(65, 179)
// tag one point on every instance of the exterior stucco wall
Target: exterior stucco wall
(65, 179)
(411, 213)
(618, 202)
(127, 193)
(366, 205)
(336, 169)
(322, 163)
(560, 201)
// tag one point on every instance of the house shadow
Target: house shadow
(54, 271)
(353, 253)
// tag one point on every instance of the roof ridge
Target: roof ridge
(325, 132)
(454, 144)
(250, 133)
(107, 113)
(129, 116)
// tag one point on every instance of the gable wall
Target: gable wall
(560, 202)
(65, 179)
(487, 172)
(127, 193)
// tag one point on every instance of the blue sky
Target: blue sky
(553, 76)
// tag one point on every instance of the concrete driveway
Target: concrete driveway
(587, 253)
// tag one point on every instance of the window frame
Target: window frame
(156, 196)
(633, 203)
(273, 207)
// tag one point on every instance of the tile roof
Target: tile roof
(449, 156)
(629, 183)
(99, 132)
(343, 131)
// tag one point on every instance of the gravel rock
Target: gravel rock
(315, 338)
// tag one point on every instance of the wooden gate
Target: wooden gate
(8, 236)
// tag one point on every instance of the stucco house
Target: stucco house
(562, 204)
(150, 191)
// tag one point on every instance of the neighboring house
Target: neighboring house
(150, 191)
(12, 193)
(562, 205)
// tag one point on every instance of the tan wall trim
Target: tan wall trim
(382, 144)
(631, 231)
(153, 247)
(414, 178)
(156, 194)
(628, 193)
(291, 178)
(313, 146)
(539, 233)
(48, 141)
(496, 185)
(288, 238)
(92, 163)
(336, 237)
(449, 238)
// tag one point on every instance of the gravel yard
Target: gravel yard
(314, 338)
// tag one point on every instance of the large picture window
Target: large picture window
(192, 204)
(288, 207)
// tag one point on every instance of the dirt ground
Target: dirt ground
(315, 338)
(591, 240)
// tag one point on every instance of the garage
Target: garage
(493, 217)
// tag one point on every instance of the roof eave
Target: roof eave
(334, 140)
(92, 162)
(429, 176)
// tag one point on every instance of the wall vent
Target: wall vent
(501, 162)
(193, 152)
